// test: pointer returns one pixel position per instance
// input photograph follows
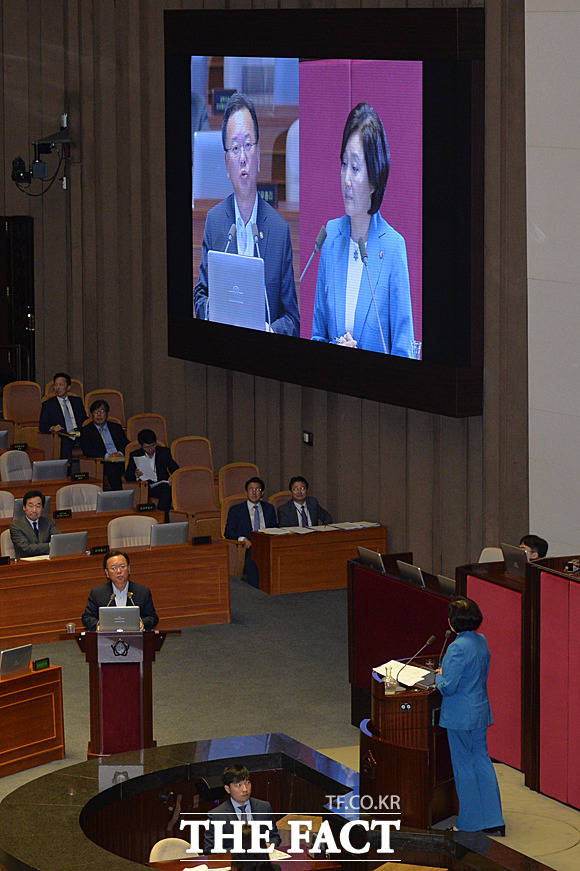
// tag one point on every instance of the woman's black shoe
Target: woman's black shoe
(498, 831)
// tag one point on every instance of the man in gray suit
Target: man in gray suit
(240, 806)
(244, 208)
(31, 533)
(302, 509)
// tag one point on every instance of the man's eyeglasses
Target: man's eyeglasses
(237, 149)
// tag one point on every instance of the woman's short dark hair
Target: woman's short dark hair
(99, 403)
(464, 614)
(365, 120)
(236, 103)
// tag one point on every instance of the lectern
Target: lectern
(404, 752)
(121, 703)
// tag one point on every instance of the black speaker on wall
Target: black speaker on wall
(16, 299)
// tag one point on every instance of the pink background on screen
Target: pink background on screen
(329, 89)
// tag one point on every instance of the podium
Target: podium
(404, 752)
(120, 683)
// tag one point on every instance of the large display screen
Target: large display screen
(324, 212)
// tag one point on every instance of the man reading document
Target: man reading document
(245, 208)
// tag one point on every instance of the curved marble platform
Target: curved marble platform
(42, 823)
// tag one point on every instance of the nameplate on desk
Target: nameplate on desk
(80, 476)
(269, 193)
(60, 513)
(201, 539)
(145, 507)
(4, 560)
(39, 664)
(19, 446)
(99, 549)
(220, 98)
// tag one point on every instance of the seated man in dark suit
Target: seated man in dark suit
(249, 516)
(302, 509)
(105, 438)
(62, 413)
(119, 592)
(534, 546)
(240, 806)
(153, 463)
(31, 533)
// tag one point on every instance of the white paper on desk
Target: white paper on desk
(278, 854)
(301, 530)
(273, 530)
(368, 524)
(204, 867)
(327, 527)
(352, 525)
(411, 676)
(31, 559)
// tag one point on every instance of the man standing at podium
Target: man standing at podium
(119, 591)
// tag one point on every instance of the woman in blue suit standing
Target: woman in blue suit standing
(466, 714)
(344, 310)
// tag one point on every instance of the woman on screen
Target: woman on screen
(345, 312)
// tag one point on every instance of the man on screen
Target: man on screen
(240, 135)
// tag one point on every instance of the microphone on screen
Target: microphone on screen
(364, 258)
(319, 242)
(256, 236)
(429, 641)
(231, 237)
(447, 637)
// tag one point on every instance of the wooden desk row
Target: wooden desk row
(95, 524)
(298, 563)
(190, 586)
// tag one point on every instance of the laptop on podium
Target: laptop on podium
(236, 288)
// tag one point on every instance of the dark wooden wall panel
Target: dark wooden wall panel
(443, 487)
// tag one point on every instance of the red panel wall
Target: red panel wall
(554, 683)
(502, 626)
(574, 696)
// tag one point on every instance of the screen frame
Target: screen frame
(452, 386)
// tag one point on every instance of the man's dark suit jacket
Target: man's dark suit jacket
(288, 514)
(51, 413)
(164, 463)
(261, 811)
(276, 250)
(100, 597)
(92, 445)
(24, 539)
(239, 524)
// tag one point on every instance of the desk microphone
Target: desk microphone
(365, 260)
(320, 240)
(231, 237)
(256, 236)
(430, 640)
(447, 637)
(111, 599)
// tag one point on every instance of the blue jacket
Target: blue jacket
(463, 683)
(387, 262)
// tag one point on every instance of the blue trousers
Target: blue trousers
(475, 780)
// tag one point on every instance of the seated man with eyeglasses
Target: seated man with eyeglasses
(247, 517)
(240, 135)
(119, 592)
(240, 806)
